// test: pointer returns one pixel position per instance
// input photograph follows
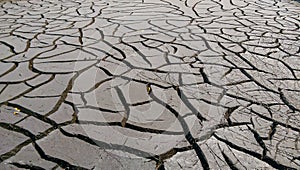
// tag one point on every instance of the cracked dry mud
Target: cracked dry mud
(149, 84)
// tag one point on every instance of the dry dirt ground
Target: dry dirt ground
(149, 84)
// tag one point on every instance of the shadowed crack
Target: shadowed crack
(266, 159)
(185, 129)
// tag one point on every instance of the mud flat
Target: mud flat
(147, 84)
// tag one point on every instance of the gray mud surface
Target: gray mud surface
(149, 84)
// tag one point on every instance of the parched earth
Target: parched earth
(150, 84)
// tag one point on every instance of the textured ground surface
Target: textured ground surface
(145, 84)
